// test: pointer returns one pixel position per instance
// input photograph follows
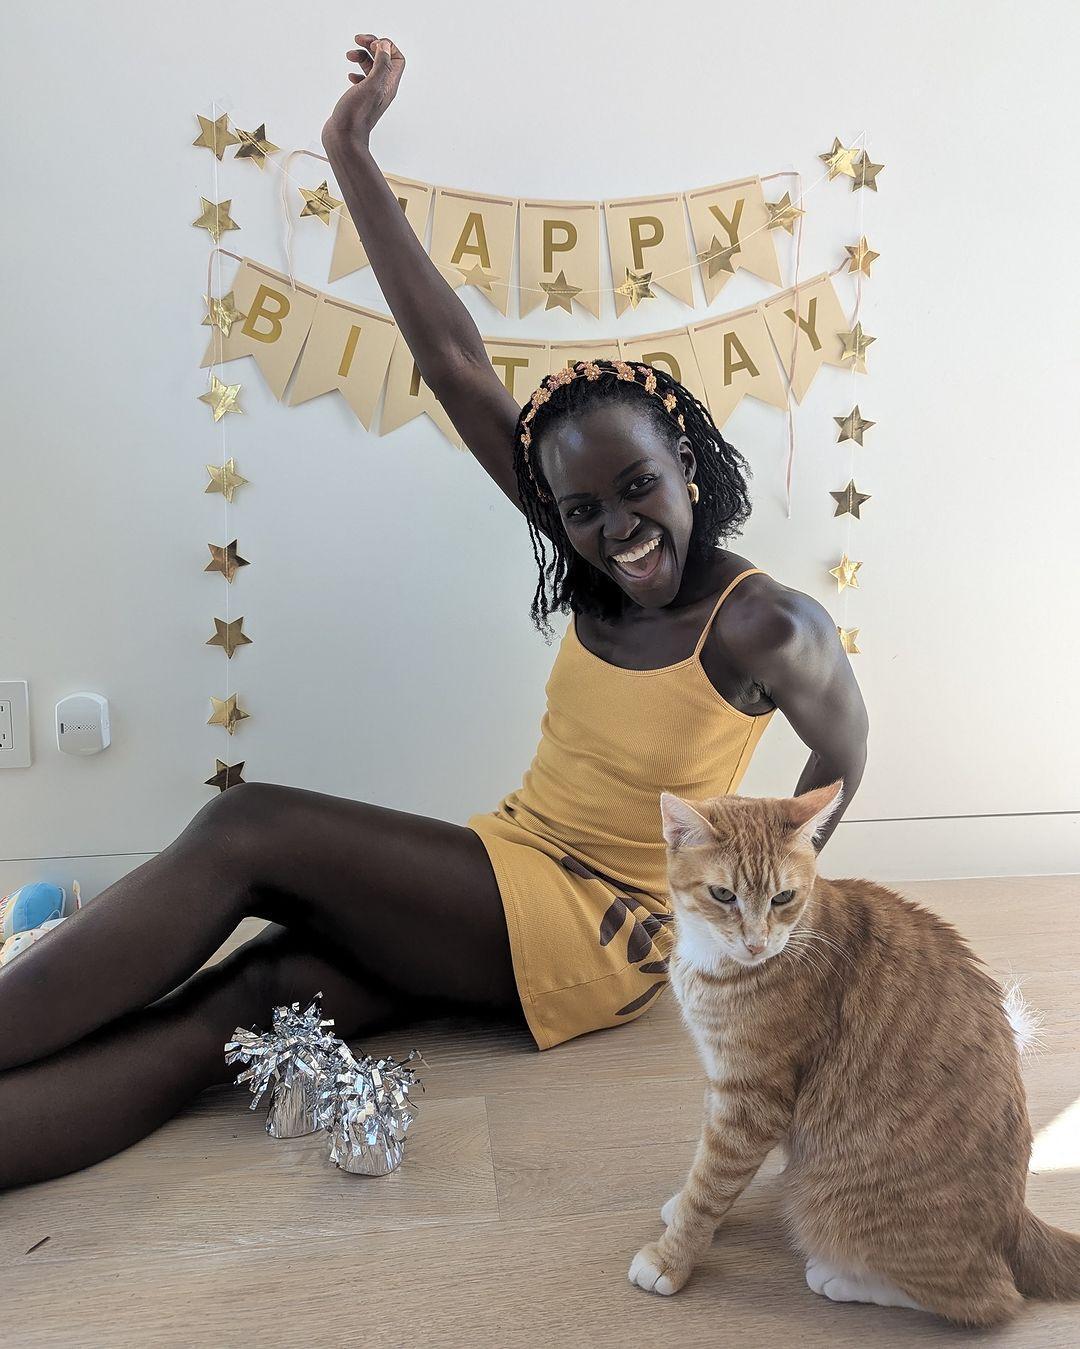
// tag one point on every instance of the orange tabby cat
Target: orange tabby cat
(859, 1030)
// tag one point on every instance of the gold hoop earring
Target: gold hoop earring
(692, 488)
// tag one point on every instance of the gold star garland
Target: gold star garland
(223, 398)
(319, 202)
(856, 164)
(255, 146)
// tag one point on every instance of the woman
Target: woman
(551, 907)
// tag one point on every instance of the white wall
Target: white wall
(388, 598)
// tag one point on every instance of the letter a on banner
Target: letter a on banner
(737, 359)
(277, 316)
(472, 240)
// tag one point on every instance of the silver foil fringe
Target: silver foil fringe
(366, 1111)
(295, 1057)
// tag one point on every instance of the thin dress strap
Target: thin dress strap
(751, 571)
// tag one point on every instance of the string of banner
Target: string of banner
(252, 298)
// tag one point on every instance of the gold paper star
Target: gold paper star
(255, 146)
(319, 202)
(221, 398)
(560, 293)
(845, 573)
(847, 640)
(866, 173)
(855, 345)
(224, 479)
(719, 257)
(479, 276)
(215, 218)
(227, 775)
(222, 313)
(229, 635)
(782, 214)
(840, 159)
(636, 287)
(861, 256)
(225, 560)
(215, 136)
(226, 712)
(849, 500)
(852, 426)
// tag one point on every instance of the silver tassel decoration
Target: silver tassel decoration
(296, 1057)
(364, 1107)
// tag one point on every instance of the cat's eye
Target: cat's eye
(784, 897)
(724, 896)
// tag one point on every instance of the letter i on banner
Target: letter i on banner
(560, 256)
(472, 240)
(348, 349)
(349, 255)
(277, 316)
(407, 396)
(648, 235)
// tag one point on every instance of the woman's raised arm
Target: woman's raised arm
(437, 327)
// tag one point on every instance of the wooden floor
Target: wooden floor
(528, 1183)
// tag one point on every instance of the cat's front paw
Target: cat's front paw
(655, 1271)
(668, 1210)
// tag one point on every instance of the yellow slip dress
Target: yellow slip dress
(578, 849)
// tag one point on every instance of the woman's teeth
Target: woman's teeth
(640, 562)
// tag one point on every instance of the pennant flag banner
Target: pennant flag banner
(472, 243)
(349, 256)
(332, 345)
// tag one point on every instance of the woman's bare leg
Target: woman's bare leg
(410, 903)
(118, 1084)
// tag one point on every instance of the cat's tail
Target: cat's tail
(1046, 1260)
(1026, 1022)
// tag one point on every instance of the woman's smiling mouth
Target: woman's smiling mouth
(642, 562)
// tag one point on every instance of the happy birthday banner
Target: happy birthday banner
(322, 343)
(473, 241)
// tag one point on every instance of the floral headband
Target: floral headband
(590, 370)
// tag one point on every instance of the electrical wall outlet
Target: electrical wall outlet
(14, 724)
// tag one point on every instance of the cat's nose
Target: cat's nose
(754, 947)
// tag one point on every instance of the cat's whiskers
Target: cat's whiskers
(811, 934)
(811, 957)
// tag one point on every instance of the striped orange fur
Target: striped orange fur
(860, 1032)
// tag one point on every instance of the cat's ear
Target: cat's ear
(684, 827)
(807, 814)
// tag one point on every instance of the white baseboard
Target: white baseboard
(942, 849)
(881, 850)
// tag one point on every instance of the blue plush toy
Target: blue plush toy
(34, 904)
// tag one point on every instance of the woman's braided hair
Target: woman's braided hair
(567, 581)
